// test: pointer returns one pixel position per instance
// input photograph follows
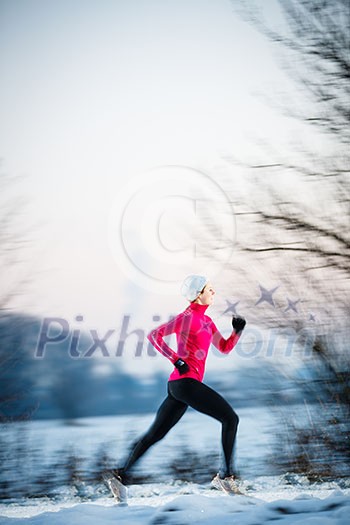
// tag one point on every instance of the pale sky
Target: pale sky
(99, 100)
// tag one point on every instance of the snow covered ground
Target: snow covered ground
(188, 503)
(38, 455)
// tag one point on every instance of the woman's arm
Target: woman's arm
(156, 336)
(224, 345)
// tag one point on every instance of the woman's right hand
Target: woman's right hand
(238, 324)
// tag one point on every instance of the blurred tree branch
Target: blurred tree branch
(306, 227)
(317, 33)
(311, 233)
(13, 328)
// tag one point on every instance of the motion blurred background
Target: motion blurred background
(140, 142)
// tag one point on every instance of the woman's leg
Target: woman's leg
(168, 414)
(204, 399)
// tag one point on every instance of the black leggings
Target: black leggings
(183, 393)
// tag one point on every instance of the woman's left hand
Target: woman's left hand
(182, 366)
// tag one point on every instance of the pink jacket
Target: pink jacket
(194, 331)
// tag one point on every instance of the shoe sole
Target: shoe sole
(118, 490)
(218, 483)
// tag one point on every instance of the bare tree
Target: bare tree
(316, 34)
(299, 233)
(307, 229)
(13, 327)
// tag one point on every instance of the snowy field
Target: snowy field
(39, 452)
(186, 503)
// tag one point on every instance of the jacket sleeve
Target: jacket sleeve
(176, 325)
(224, 345)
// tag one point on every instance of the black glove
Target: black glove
(182, 366)
(238, 323)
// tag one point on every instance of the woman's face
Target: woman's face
(207, 296)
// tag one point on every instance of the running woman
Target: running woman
(195, 331)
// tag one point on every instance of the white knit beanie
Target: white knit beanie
(193, 285)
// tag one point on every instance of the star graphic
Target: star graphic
(292, 305)
(266, 295)
(205, 325)
(231, 307)
(312, 317)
